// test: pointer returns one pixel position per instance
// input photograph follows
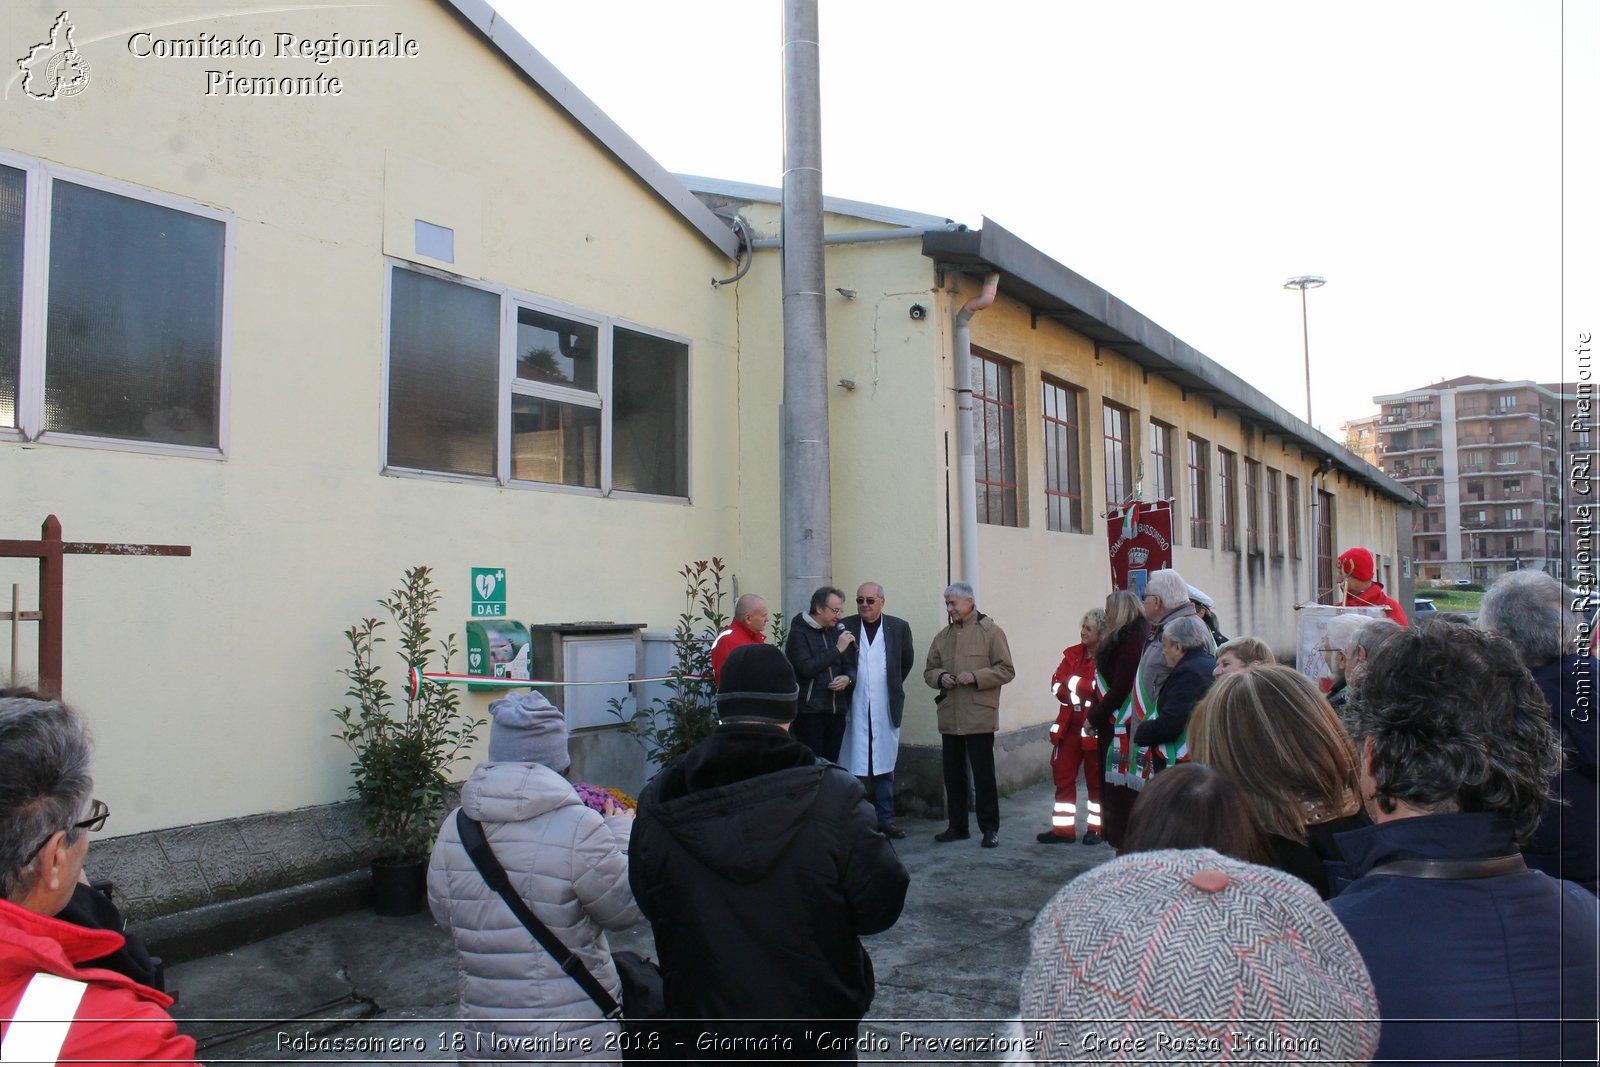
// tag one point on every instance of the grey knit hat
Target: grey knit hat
(1194, 957)
(527, 728)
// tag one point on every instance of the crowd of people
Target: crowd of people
(1400, 868)
(1440, 797)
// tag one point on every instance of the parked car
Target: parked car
(1422, 603)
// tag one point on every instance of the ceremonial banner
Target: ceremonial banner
(1141, 542)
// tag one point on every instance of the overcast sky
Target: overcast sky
(1187, 157)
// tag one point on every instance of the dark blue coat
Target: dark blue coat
(1188, 682)
(1473, 955)
(1564, 845)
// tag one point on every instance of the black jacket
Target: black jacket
(759, 866)
(898, 654)
(814, 654)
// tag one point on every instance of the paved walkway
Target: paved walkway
(949, 968)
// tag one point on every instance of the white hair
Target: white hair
(1169, 587)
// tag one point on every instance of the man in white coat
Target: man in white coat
(872, 735)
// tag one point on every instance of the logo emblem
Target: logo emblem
(485, 584)
(55, 68)
(1137, 557)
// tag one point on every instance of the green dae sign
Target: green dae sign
(488, 592)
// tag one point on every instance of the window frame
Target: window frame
(1161, 461)
(1073, 431)
(1227, 500)
(1291, 512)
(1199, 478)
(38, 191)
(507, 384)
(1252, 505)
(981, 398)
(1110, 410)
(1274, 510)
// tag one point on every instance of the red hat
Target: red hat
(1357, 563)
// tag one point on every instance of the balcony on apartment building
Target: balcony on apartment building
(1413, 474)
(1406, 448)
(1507, 440)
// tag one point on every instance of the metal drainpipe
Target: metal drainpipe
(966, 472)
(807, 520)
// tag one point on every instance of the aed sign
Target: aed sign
(488, 592)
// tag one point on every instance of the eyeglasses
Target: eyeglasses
(99, 812)
(866, 600)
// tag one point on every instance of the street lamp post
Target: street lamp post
(1302, 283)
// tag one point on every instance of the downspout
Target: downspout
(966, 469)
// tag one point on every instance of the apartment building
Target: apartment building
(1486, 457)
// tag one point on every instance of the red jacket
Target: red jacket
(1374, 597)
(116, 1020)
(1076, 662)
(735, 635)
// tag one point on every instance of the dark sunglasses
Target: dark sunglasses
(866, 600)
(99, 812)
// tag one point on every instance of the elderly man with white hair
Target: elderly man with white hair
(1534, 612)
(968, 663)
(1166, 600)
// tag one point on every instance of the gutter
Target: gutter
(966, 471)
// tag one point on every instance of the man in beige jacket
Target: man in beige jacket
(968, 663)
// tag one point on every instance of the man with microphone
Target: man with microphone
(823, 655)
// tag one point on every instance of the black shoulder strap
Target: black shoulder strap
(1492, 867)
(483, 858)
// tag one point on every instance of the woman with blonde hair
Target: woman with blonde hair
(1116, 664)
(1273, 733)
(1073, 743)
(1241, 654)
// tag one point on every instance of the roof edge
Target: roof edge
(569, 98)
(1030, 275)
(769, 194)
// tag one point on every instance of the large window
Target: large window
(111, 314)
(1161, 483)
(1252, 505)
(1227, 503)
(994, 428)
(1199, 493)
(592, 404)
(1119, 454)
(1275, 512)
(1291, 513)
(1063, 486)
(1324, 545)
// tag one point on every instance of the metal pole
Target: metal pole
(807, 519)
(1305, 340)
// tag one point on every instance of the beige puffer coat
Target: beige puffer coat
(571, 867)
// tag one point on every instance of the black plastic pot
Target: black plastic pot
(399, 888)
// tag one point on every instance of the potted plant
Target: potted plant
(402, 751)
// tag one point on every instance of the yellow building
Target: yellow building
(322, 293)
(1080, 402)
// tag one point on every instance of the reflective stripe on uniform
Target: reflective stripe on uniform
(39, 1026)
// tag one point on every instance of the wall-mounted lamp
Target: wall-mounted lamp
(848, 294)
(847, 383)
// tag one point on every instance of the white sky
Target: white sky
(1188, 157)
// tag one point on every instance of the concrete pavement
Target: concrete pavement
(949, 968)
